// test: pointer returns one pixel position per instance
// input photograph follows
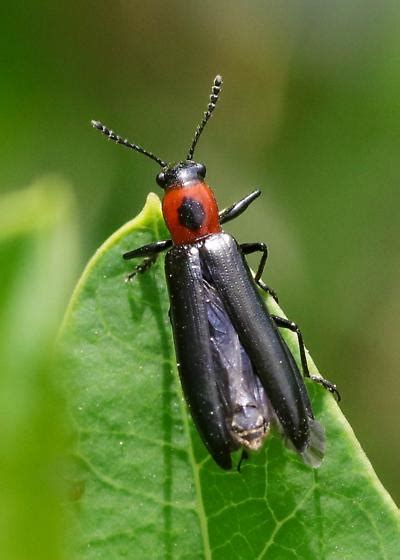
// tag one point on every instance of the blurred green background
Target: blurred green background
(310, 113)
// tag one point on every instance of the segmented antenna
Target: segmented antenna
(216, 90)
(115, 138)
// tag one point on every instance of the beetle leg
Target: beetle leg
(249, 248)
(290, 325)
(331, 387)
(144, 266)
(149, 253)
(287, 324)
(244, 457)
(238, 208)
(149, 249)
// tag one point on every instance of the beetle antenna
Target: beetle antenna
(115, 138)
(215, 91)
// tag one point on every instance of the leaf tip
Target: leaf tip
(153, 203)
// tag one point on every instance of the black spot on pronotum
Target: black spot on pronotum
(191, 213)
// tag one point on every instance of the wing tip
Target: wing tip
(315, 450)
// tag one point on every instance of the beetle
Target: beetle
(237, 373)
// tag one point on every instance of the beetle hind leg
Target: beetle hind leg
(243, 458)
(290, 325)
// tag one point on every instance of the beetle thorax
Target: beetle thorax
(190, 211)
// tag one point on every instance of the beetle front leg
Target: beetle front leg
(238, 208)
(149, 253)
(286, 324)
(249, 248)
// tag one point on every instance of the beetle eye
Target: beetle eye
(161, 179)
(201, 170)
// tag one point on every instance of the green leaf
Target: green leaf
(37, 252)
(148, 488)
